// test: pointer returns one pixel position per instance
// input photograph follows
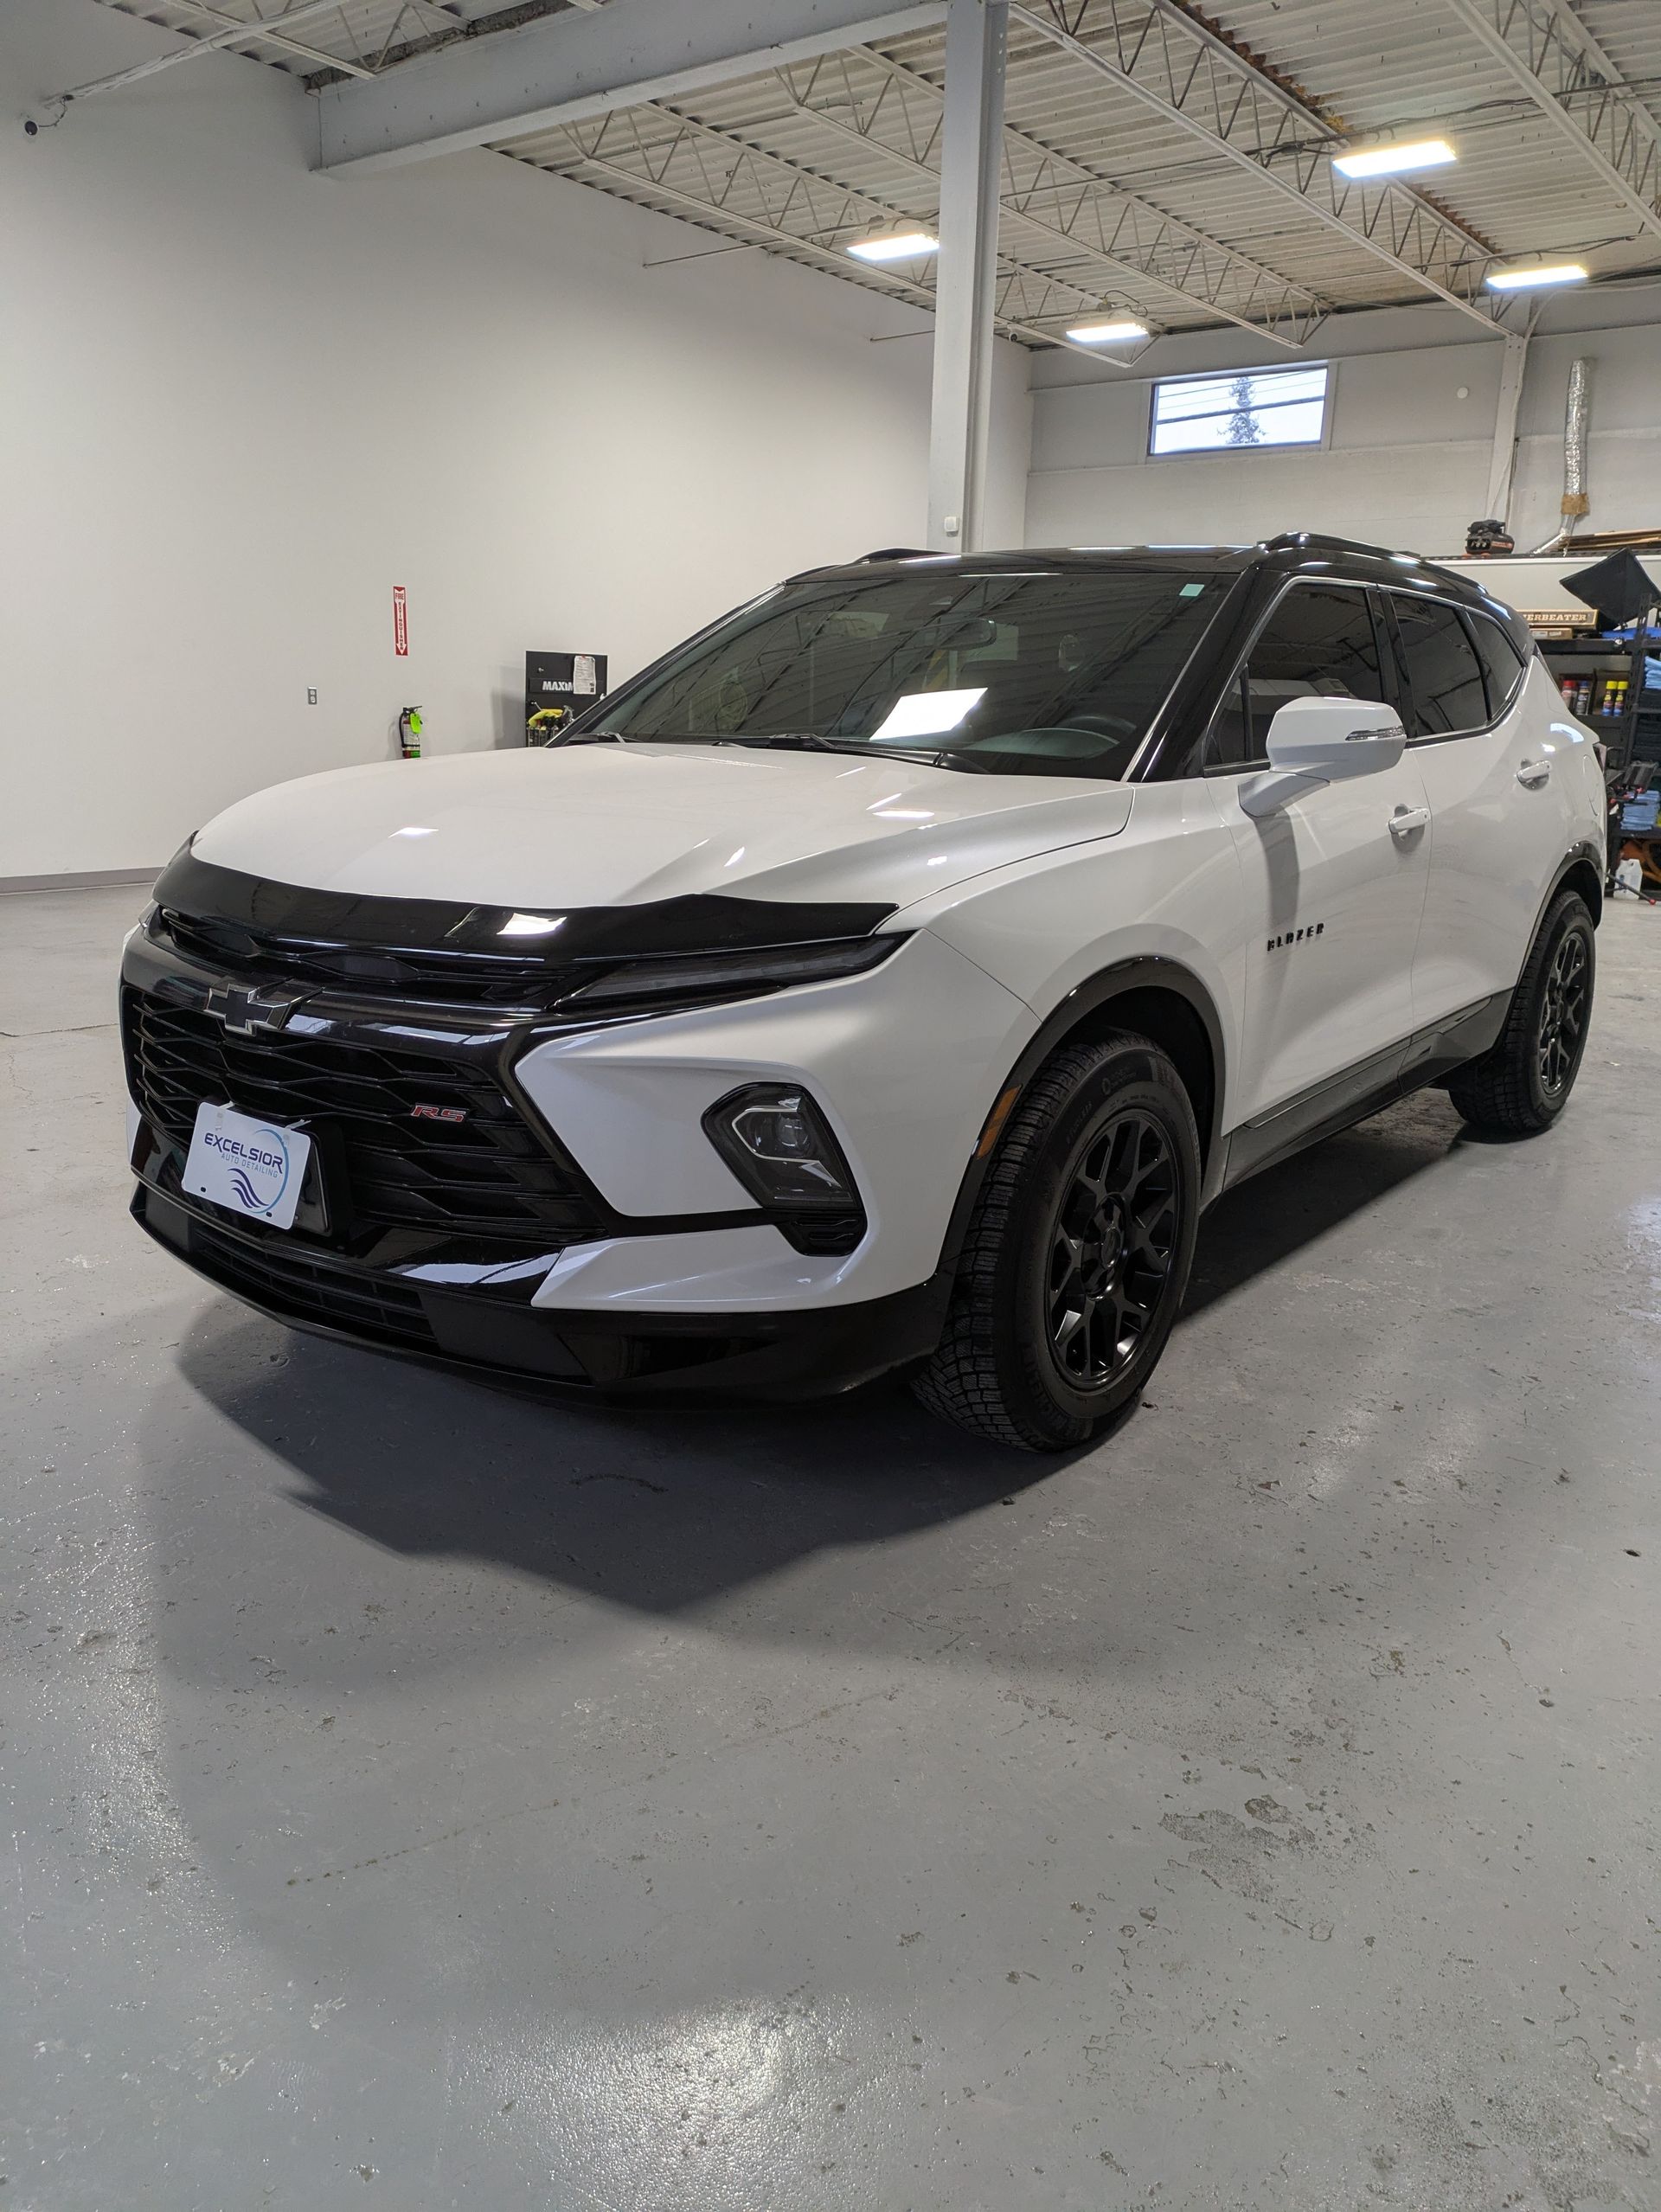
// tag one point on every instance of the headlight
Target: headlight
(690, 979)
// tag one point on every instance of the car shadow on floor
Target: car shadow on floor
(660, 1508)
(1251, 1230)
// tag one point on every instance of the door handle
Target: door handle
(1534, 775)
(1407, 819)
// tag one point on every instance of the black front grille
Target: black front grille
(436, 975)
(286, 1280)
(486, 1172)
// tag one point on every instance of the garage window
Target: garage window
(1247, 409)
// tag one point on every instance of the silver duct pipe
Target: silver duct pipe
(1576, 420)
(1577, 415)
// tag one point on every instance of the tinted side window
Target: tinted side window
(1502, 664)
(1317, 644)
(1444, 674)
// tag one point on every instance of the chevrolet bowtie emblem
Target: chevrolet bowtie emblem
(246, 1010)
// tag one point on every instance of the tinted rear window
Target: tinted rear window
(1502, 664)
(1444, 674)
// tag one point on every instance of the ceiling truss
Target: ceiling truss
(1166, 57)
(673, 160)
(871, 97)
(764, 169)
(1551, 53)
(256, 30)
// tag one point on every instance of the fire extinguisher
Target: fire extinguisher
(409, 733)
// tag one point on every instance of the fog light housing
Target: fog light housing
(779, 1145)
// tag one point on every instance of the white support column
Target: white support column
(1511, 393)
(977, 36)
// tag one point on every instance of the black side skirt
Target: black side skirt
(1427, 1057)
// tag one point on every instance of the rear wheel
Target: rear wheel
(1078, 1253)
(1523, 1084)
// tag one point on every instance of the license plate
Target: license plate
(253, 1167)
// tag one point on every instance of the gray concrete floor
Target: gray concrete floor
(423, 1796)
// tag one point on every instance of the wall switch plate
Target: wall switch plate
(311, 695)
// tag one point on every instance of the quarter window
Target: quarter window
(1318, 643)
(1445, 685)
(1502, 664)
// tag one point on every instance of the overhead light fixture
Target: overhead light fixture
(895, 245)
(1113, 331)
(1395, 159)
(1544, 273)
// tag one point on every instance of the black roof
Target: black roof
(1293, 553)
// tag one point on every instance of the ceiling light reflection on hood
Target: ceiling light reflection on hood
(927, 714)
(531, 925)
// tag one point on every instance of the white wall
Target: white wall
(240, 402)
(1408, 461)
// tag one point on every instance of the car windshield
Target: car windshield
(1034, 674)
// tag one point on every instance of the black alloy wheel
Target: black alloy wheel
(1522, 1084)
(1077, 1252)
(1564, 1005)
(1112, 1248)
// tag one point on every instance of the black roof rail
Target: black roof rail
(895, 553)
(1317, 541)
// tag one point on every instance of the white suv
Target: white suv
(886, 978)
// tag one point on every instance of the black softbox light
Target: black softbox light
(1622, 589)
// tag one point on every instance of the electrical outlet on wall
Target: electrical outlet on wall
(311, 695)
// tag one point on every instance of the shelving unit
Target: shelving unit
(1610, 674)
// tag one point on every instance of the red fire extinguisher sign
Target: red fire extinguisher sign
(400, 623)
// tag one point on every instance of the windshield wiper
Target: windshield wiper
(791, 740)
(808, 740)
(797, 740)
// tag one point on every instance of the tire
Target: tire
(1522, 1084)
(1062, 1306)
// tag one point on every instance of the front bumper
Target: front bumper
(810, 1352)
(689, 1291)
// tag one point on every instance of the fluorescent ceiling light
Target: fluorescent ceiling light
(1555, 272)
(926, 713)
(1394, 160)
(1109, 333)
(895, 245)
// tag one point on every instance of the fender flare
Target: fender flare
(1144, 972)
(1586, 852)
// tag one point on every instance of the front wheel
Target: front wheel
(1078, 1252)
(1522, 1083)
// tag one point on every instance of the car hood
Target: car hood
(606, 824)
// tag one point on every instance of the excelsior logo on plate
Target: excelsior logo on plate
(258, 1165)
(247, 1165)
